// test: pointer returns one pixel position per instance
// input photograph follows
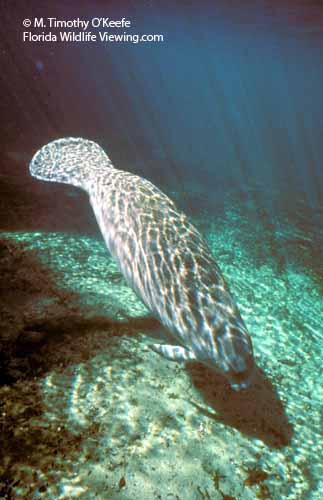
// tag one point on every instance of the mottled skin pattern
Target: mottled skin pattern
(162, 256)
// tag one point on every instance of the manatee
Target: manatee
(162, 256)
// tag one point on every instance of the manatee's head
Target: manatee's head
(70, 160)
(233, 355)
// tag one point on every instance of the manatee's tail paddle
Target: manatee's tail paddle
(71, 160)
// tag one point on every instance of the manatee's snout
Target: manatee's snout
(243, 379)
(237, 359)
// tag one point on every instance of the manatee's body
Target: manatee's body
(162, 256)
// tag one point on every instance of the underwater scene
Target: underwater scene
(161, 250)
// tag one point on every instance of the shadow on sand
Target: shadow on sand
(256, 411)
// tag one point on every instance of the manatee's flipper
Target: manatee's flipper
(71, 160)
(173, 352)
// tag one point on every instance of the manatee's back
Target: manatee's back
(162, 255)
(168, 263)
(133, 214)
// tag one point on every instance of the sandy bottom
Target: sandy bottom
(87, 410)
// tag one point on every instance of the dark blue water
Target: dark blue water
(232, 96)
